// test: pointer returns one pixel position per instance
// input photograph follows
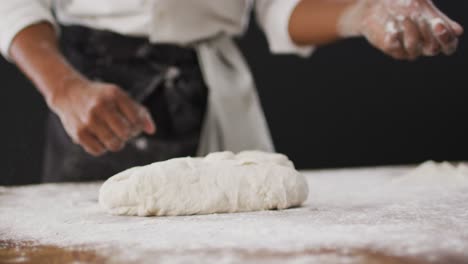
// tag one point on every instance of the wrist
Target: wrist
(317, 22)
(350, 22)
(61, 87)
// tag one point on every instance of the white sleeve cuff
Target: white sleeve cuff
(273, 17)
(16, 17)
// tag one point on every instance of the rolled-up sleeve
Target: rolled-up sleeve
(17, 15)
(273, 17)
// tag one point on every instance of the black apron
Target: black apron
(164, 78)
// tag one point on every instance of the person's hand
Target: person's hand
(403, 29)
(99, 116)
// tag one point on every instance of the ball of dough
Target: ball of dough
(221, 182)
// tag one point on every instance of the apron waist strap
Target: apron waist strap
(101, 43)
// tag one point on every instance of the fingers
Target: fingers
(105, 135)
(393, 42)
(136, 114)
(96, 122)
(119, 125)
(411, 30)
(403, 40)
(127, 107)
(106, 119)
(412, 39)
(89, 142)
(431, 46)
(445, 30)
(447, 39)
(436, 13)
(409, 39)
(117, 118)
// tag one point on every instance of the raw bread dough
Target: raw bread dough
(221, 182)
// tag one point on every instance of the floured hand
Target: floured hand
(403, 29)
(100, 117)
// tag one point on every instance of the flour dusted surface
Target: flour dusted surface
(219, 183)
(375, 208)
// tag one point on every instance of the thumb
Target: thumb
(149, 126)
(457, 28)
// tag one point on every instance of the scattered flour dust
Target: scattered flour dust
(434, 175)
(403, 211)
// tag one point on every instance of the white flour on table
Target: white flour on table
(358, 208)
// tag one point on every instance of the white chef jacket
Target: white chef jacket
(234, 119)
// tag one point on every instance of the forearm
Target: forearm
(315, 22)
(35, 51)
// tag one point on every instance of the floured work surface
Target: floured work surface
(351, 216)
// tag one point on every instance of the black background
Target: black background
(347, 105)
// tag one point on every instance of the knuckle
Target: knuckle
(97, 104)
(412, 41)
(115, 145)
(112, 91)
(124, 126)
(124, 133)
(90, 119)
(80, 134)
(106, 140)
